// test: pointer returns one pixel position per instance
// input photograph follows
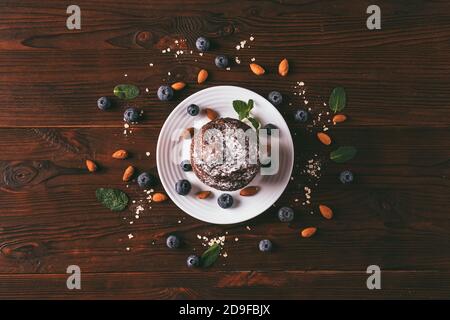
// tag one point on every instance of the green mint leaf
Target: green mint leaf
(254, 122)
(338, 99)
(126, 91)
(210, 256)
(241, 109)
(343, 154)
(250, 105)
(113, 199)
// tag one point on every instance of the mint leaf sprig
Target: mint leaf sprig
(243, 109)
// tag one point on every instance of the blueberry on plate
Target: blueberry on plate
(346, 177)
(165, 93)
(131, 115)
(146, 180)
(104, 103)
(265, 164)
(202, 44)
(276, 98)
(265, 245)
(286, 214)
(173, 242)
(182, 187)
(186, 165)
(269, 127)
(221, 61)
(193, 110)
(225, 200)
(193, 261)
(301, 115)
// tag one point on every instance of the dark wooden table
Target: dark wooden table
(396, 215)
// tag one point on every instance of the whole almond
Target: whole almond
(159, 197)
(128, 173)
(283, 67)
(202, 76)
(203, 194)
(178, 85)
(308, 232)
(326, 212)
(324, 138)
(211, 114)
(91, 165)
(188, 133)
(120, 154)
(257, 69)
(249, 191)
(339, 118)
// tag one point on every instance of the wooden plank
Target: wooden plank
(228, 285)
(412, 95)
(318, 23)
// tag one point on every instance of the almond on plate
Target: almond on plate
(188, 133)
(120, 154)
(203, 194)
(257, 69)
(128, 173)
(324, 138)
(339, 118)
(159, 197)
(249, 191)
(283, 67)
(326, 212)
(178, 85)
(91, 165)
(308, 232)
(211, 114)
(202, 76)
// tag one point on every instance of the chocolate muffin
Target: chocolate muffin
(223, 156)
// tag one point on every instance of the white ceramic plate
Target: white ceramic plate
(171, 151)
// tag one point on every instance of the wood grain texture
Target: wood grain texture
(394, 216)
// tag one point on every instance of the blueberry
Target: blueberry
(346, 177)
(146, 180)
(131, 115)
(193, 110)
(173, 242)
(103, 103)
(276, 98)
(269, 127)
(202, 44)
(193, 261)
(266, 165)
(225, 200)
(186, 165)
(265, 245)
(301, 115)
(286, 214)
(165, 93)
(182, 187)
(221, 61)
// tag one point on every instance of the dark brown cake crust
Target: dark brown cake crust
(236, 170)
